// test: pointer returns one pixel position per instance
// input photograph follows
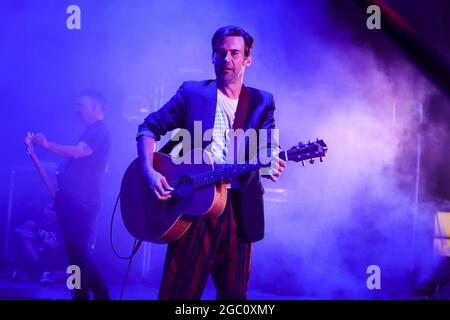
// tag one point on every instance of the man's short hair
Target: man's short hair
(232, 31)
(97, 97)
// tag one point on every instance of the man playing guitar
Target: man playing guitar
(220, 246)
(77, 200)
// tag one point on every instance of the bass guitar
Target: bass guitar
(38, 165)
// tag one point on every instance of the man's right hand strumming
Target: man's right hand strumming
(146, 146)
(158, 183)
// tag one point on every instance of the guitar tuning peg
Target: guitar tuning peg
(311, 161)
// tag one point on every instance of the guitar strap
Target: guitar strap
(242, 109)
(240, 120)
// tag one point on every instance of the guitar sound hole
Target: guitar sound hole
(184, 187)
(182, 196)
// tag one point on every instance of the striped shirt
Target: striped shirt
(223, 122)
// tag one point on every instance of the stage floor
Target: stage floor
(34, 290)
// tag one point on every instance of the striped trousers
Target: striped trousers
(209, 246)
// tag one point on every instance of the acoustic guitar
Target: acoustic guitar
(199, 191)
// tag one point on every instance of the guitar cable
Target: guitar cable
(136, 245)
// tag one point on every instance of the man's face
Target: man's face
(86, 108)
(229, 59)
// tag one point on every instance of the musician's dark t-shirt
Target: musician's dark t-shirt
(80, 179)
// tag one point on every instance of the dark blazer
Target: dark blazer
(196, 101)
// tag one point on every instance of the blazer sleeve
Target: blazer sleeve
(170, 116)
(268, 124)
(268, 121)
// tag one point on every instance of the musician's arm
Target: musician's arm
(78, 151)
(146, 146)
(272, 145)
(158, 123)
(69, 151)
(168, 117)
(155, 125)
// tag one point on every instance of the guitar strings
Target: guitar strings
(197, 176)
(214, 171)
(194, 177)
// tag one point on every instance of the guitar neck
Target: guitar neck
(43, 174)
(229, 171)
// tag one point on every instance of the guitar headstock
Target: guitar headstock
(307, 151)
(29, 142)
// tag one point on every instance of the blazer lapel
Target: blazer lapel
(209, 105)
(208, 108)
(241, 116)
(251, 106)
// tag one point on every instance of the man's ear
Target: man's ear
(98, 107)
(248, 61)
